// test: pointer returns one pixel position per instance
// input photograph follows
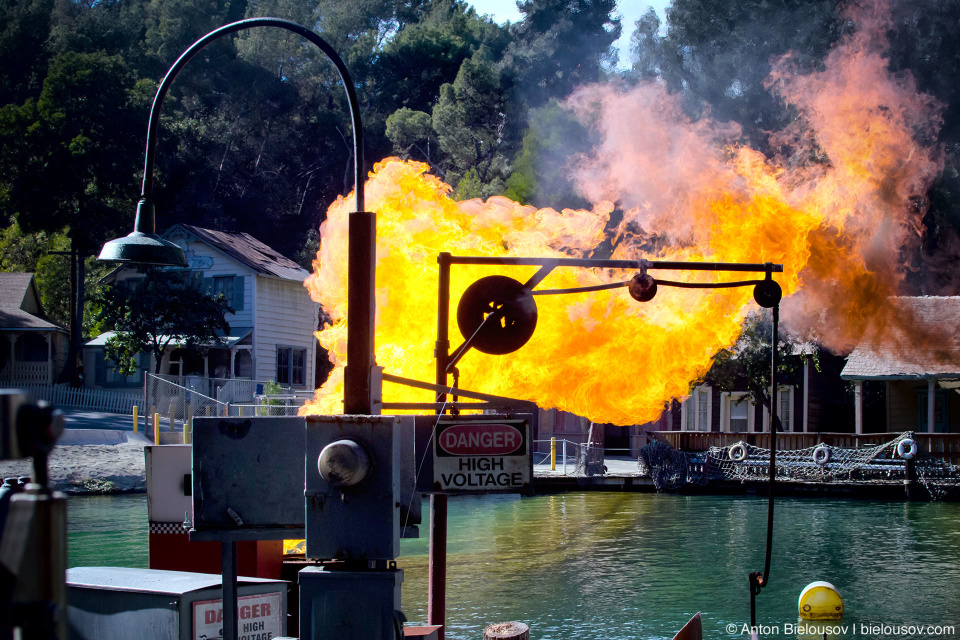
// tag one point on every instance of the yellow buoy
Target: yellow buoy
(820, 601)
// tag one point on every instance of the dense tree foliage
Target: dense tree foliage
(160, 309)
(256, 137)
(748, 363)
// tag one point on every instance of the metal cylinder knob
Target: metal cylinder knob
(344, 463)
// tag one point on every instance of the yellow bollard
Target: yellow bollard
(553, 454)
(208, 411)
(188, 425)
(136, 419)
(156, 428)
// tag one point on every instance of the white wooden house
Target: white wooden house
(33, 350)
(271, 328)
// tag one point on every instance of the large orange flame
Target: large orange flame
(836, 226)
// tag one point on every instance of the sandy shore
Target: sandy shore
(91, 461)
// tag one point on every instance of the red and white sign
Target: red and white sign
(259, 618)
(480, 439)
(482, 456)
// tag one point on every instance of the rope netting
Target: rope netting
(881, 464)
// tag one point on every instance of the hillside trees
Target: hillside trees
(558, 46)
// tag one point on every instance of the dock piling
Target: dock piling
(507, 631)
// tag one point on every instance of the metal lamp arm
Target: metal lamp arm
(146, 191)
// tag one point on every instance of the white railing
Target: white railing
(23, 373)
(65, 396)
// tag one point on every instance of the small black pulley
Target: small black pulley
(767, 293)
(642, 287)
(515, 320)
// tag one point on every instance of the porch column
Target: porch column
(233, 362)
(49, 338)
(206, 365)
(931, 402)
(858, 406)
(806, 393)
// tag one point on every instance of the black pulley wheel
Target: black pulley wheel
(515, 315)
(767, 293)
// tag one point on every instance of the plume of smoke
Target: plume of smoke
(854, 165)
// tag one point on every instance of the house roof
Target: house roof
(911, 338)
(231, 339)
(14, 289)
(249, 251)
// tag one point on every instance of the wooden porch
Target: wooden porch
(945, 446)
(20, 373)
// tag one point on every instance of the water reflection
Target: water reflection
(609, 566)
(619, 565)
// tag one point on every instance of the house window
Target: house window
(291, 365)
(784, 409)
(737, 410)
(230, 286)
(223, 285)
(696, 410)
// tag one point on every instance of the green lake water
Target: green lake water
(612, 566)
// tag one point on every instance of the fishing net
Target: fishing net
(824, 464)
(666, 466)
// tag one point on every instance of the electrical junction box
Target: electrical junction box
(248, 478)
(120, 603)
(350, 605)
(353, 514)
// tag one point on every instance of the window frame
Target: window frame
(700, 414)
(291, 368)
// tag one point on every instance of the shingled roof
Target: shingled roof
(920, 339)
(249, 251)
(14, 289)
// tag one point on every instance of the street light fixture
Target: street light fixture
(361, 386)
(145, 247)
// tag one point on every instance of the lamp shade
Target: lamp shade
(143, 248)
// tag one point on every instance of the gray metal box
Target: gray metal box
(118, 603)
(248, 478)
(359, 522)
(349, 605)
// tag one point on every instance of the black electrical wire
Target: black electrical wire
(665, 283)
(756, 579)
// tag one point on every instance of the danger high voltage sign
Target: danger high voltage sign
(482, 456)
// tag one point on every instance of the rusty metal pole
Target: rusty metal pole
(358, 391)
(437, 569)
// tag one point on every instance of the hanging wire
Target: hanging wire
(759, 580)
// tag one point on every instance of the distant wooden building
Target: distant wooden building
(33, 349)
(815, 402)
(272, 326)
(912, 359)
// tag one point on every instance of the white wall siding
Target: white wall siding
(213, 263)
(285, 316)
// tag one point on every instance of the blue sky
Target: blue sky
(630, 11)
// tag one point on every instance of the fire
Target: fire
(688, 193)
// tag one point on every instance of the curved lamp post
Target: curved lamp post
(143, 246)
